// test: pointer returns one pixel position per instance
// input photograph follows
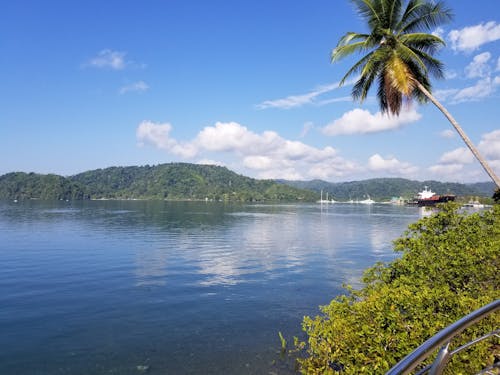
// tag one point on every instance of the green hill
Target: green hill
(183, 181)
(20, 185)
(381, 189)
(175, 181)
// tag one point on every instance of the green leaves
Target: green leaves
(448, 268)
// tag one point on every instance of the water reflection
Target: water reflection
(255, 241)
(151, 267)
(128, 283)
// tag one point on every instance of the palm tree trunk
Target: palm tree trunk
(462, 134)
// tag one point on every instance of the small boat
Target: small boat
(474, 204)
(367, 201)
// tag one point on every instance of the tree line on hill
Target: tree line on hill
(383, 189)
(183, 181)
(174, 181)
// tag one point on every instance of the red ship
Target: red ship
(428, 198)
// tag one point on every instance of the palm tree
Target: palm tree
(399, 56)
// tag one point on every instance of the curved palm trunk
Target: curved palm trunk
(462, 134)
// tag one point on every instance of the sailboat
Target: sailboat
(325, 201)
(367, 201)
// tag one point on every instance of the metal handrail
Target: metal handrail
(442, 340)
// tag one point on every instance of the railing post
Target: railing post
(441, 360)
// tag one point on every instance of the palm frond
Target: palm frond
(367, 10)
(411, 7)
(381, 94)
(355, 68)
(351, 36)
(426, 17)
(362, 87)
(395, 12)
(340, 52)
(422, 41)
(434, 66)
(407, 54)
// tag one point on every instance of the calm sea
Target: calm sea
(115, 287)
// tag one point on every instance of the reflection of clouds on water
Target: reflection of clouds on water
(381, 240)
(257, 242)
(426, 211)
(151, 267)
(261, 242)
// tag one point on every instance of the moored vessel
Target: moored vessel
(428, 198)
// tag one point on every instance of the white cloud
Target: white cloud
(210, 162)
(233, 137)
(267, 154)
(482, 89)
(294, 101)
(139, 86)
(498, 65)
(448, 133)
(490, 145)
(109, 59)
(450, 74)
(306, 129)
(445, 94)
(290, 101)
(439, 32)
(391, 165)
(472, 37)
(297, 100)
(446, 169)
(158, 135)
(360, 121)
(460, 155)
(479, 66)
(335, 100)
(459, 164)
(495, 164)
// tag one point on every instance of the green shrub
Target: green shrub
(447, 269)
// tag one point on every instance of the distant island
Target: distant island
(184, 181)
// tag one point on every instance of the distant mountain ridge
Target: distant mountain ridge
(184, 181)
(173, 181)
(381, 189)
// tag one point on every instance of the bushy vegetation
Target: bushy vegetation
(447, 269)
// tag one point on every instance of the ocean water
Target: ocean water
(134, 287)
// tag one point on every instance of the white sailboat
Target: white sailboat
(325, 201)
(367, 201)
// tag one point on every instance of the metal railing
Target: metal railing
(442, 342)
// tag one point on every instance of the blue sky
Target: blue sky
(244, 84)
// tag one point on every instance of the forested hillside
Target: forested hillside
(381, 189)
(173, 181)
(179, 181)
(20, 185)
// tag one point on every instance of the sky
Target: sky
(243, 84)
